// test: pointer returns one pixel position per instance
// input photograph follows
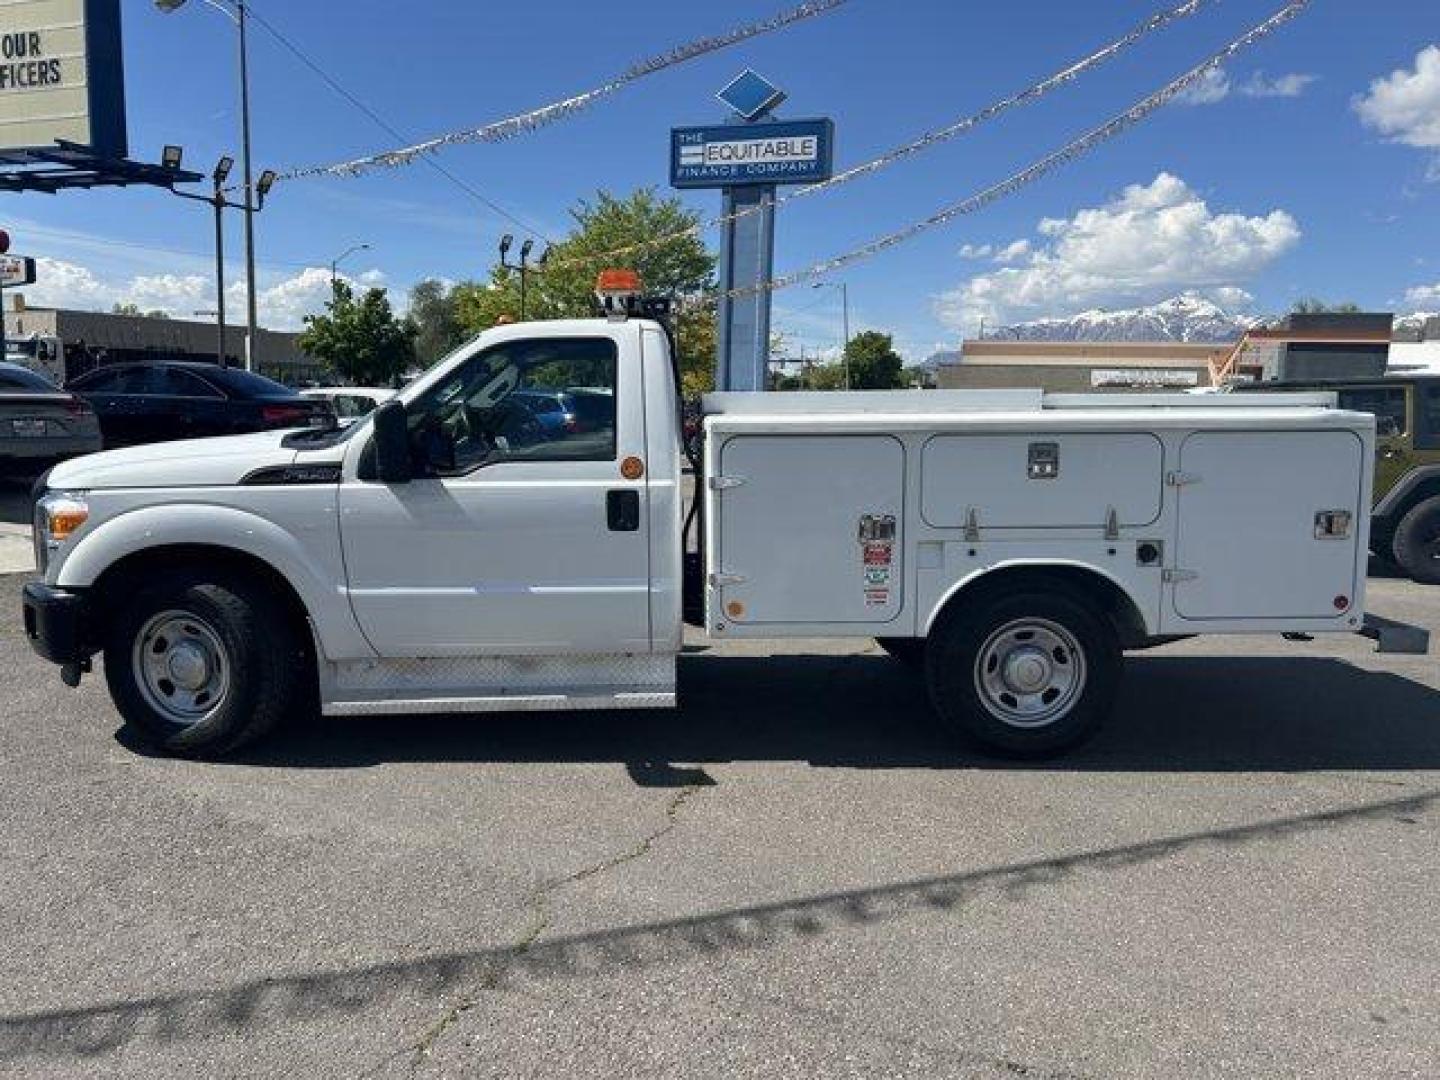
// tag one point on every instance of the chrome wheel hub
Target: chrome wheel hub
(1030, 672)
(181, 667)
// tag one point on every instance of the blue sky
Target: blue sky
(1272, 185)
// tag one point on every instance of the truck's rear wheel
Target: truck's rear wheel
(1024, 674)
(1417, 541)
(199, 666)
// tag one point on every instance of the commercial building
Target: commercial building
(1077, 366)
(87, 339)
(1301, 346)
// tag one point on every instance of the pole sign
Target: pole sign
(775, 152)
(61, 75)
(16, 270)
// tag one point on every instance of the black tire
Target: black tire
(1064, 630)
(909, 651)
(242, 633)
(1417, 541)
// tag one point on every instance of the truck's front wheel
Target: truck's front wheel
(1024, 674)
(199, 665)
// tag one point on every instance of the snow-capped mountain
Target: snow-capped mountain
(1188, 317)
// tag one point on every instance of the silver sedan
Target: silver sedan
(41, 424)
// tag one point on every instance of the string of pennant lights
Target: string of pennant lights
(524, 123)
(1065, 155)
(1032, 93)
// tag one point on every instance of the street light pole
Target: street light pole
(240, 16)
(250, 314)
(335, 263)
(844, 288)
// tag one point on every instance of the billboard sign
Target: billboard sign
(725, 155)
(16, 270)
(1145, 378)
(61, 75)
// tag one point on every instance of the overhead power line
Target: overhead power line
(929, 139)
(385, 126)
(1138, 112)
(526, 122)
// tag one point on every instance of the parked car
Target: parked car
(1405, 525)
(554, 411)
(41, 424)
(147, 403)
(350, 402)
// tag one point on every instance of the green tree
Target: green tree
(433, 311)
(873, 362)
(360, 339)
(1313, 305)
(681, 268)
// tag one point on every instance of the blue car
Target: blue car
(554, 410)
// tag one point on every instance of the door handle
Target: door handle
(622, 510)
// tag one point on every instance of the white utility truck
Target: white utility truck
(450, 554)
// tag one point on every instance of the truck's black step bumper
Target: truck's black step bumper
(55, 623)
(1396, 637)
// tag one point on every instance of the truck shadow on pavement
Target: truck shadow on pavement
(1176, 714)
(467, 977)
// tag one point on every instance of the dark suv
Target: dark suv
(1406, 520)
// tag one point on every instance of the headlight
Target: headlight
(58, 516)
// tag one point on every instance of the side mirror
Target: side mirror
(392, 443)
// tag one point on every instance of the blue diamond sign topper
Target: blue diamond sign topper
(751, 95)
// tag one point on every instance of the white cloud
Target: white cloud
(1404, 106)
(281, 305)
(1216, 85)
(1148, 243)
(1212, 87)
(1424, 297)
(1282, 86)
(1012, 253)
(976, 251)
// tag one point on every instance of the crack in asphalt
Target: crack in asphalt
(540, 916)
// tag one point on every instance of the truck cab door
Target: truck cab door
(511, 539)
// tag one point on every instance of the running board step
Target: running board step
(639, 699)
(1396, 637)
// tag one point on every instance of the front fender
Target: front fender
(316, 576)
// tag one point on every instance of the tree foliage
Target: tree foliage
(1313, 305)
(873, 362)
(564, 287)
(361, 340)
(434, 314)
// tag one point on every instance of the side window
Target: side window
(104, 382)
(352, 406)
(1387, 403)
(1429, 407)
(183, 384)
(484, 413)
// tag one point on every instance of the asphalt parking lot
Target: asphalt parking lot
(790, 877)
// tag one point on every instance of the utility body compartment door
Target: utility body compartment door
(1048, 480)
(809, 530)
(1247, 544)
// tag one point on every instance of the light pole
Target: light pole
(335, 263)
(845, 320)
(236, 11)
(523, 265)
(218, 201)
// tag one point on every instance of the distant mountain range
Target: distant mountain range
(1188, 318)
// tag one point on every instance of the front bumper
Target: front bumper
(55, 623)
